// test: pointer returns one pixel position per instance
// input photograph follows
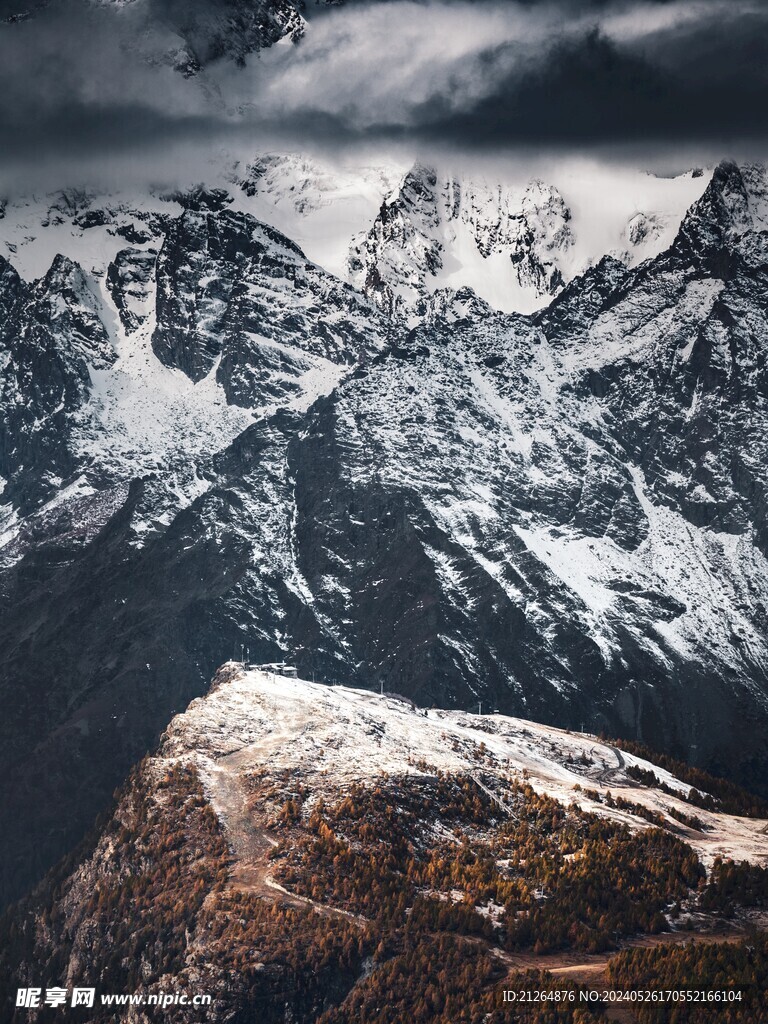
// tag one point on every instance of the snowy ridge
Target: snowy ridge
(402, 234)
(514, 243)
(86, 226)
(322, 207)
(328, 737)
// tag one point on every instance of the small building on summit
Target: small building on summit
(278, 668)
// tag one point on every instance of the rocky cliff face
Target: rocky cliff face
(561, 515)
(53, 333)
(685, 384)
(235, 294)
(432, 225)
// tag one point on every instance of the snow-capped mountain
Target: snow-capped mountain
(210, 441)
(287, 838)
(330, 737)
(225, 300)
(322, 207)
(402, 234)
(398, 234)
(435, 231)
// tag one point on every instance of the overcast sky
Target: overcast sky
(671, 80)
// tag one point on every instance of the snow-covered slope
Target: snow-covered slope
(327, 737)
(401, 234)
(321, 206)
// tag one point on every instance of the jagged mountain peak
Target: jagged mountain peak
(238, 298)
(545, 198)
(67, 277)
(73, 312)
(740, 192)
(440, 229)
(732, 209)
(452, 306)
(11, 286)
(200, 198)
(586, 294)
(418, 185)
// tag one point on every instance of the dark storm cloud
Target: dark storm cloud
(705, 85)
(77, 127)
(592, 72)
(68, 81)
(583, 90)
(490, 73)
